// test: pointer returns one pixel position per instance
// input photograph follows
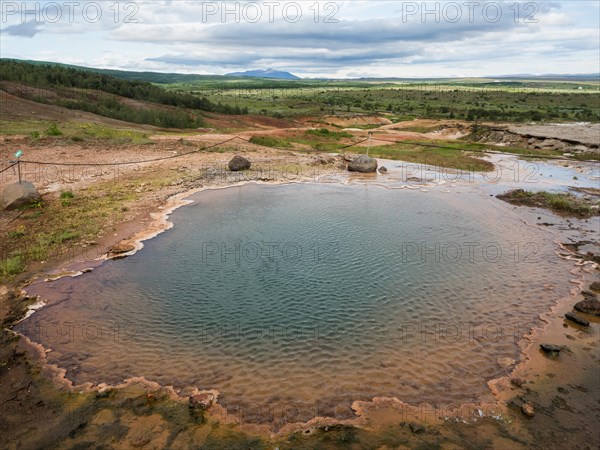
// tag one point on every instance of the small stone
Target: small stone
(590, 305)
(506, 362)
(416, 428)
(595, 286)
(528, 410)
(576, 319)
(324, 160)
(517, 382)
(140, 441)
(383, 170)
(551, 349)
(122, 247)
(203, 400)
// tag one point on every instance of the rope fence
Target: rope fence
(18, 164)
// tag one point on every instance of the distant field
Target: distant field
(493, 101)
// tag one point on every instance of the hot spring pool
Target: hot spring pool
(306, 297)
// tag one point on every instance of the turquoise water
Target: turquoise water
(295, 300)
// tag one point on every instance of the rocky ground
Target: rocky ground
(582, 139)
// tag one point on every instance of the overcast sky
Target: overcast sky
(310, 38)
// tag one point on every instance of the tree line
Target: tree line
(57, 77)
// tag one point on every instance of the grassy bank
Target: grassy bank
(559, 202)
(66, 222)
(74, 131)
(439, 157)
(451, 154)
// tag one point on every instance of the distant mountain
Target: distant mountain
(269, 73)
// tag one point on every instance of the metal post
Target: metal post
(19, 170)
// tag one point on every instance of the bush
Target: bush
(11, 266)
(53, 130)
(269, 141)
(324, 132)
(18, 233)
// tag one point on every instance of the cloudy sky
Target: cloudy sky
(309, 38)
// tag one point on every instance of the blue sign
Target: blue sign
(19, 154)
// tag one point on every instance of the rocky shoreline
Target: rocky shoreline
(579, 139)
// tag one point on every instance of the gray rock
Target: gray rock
(595, 286)
(576, 319)
(238, 163)
(551, 349)
(590, 305)
(416, 428)
(21, 194)
(324, 160)
(383, 169)
(580, 148)
(363, 164)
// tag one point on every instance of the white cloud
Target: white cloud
(369, 37)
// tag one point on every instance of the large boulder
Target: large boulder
(238, 163)
(21, 194)
(363, 164)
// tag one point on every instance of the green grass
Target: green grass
(17, 233)
(53, 230)
(270, 141)
(86, 131)
(53, 130)
(75, 131)
(440, 157)
(461, 99)
(11, 266)
(560, 202)
(58, 237)
(328, 134)
(369, 126)
(423, 129)
(320, 139)
(587, 156)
